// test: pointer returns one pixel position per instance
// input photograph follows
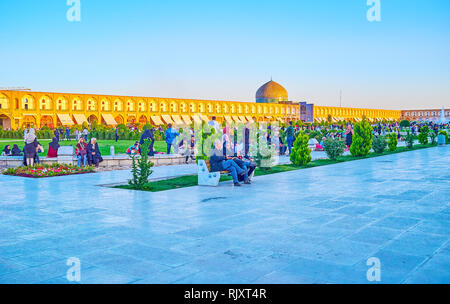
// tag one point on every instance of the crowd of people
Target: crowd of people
(228, 155)
(86, 153)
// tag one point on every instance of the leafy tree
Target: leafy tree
(141, 167)
(405, 124)
(379, 144)
(334, 147)
(393, 142)
(423, 135)
(433, 136)
(409, 140)
(362, 139)
(301, 154)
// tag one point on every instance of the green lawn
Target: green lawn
(120, 147)
(191, 180)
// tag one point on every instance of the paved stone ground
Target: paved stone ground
(310, 226)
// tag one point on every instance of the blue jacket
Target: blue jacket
(170, 135)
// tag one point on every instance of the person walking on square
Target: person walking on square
(290, 137)
(170, 135)
(67, 133)
(116, 132)
(85, 134)
(56, 134)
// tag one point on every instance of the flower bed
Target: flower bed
(41, 171)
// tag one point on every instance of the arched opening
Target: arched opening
(28, 121)
(142, 120)
(92, 118)
(130, 105)
(45, 103)
(77, 104)
(62, 104)
(131, 120)
(153, 106)
(119, 119)
(4, 103)
(141, 106)
(47, 120)
(105, 106)
(5, 122)
(27, 102)
(118, 105)
(91, 105)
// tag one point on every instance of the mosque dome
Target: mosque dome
(271, 92)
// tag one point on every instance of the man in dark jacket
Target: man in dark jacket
(290, 137)
(219, 162)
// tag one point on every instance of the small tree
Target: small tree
(379, 144)
(405, 124)
(393, 142)
(409, 140)
(433, 136)
(141, 167)
(362, 139)
(334, 147)
(301, 154)
(423, 135)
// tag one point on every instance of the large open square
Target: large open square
(317, 225)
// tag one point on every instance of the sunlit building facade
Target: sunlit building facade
(21, 108)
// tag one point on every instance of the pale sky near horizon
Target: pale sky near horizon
(225, 50)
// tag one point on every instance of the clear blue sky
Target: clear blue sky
(227, 49)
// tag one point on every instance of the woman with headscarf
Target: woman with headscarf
(93, 153)
(53, 148)
(81, 152)
(148, 135)
(7, 151)
(16, 151)
(31, 145)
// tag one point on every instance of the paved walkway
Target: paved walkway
(309, 226)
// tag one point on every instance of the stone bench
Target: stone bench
(205, 176)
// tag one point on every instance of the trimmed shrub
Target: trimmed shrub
(362, 139)
(393, 142)
(301, 154)
(423, 135)
(379, 144)
(334, 147)
(442, 132)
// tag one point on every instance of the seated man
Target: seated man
(244, 164)
(283, 147)
(219, 162)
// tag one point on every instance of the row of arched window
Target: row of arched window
(61, 103)
(325, 111)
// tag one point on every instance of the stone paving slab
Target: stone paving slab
(318, 225)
